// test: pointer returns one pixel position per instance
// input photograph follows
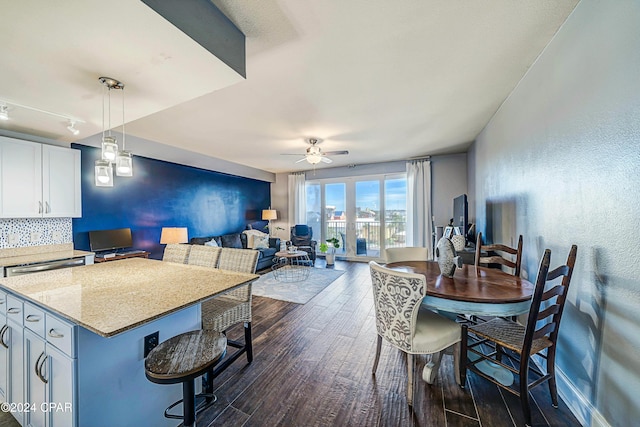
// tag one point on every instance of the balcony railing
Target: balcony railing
(393, 235)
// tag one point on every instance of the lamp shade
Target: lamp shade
(269, 214)
(174, 235)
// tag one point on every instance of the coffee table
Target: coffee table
(291, 266)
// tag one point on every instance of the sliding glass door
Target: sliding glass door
(366, 214)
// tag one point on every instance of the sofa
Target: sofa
(239, 241)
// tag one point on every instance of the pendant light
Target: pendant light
(110, 152)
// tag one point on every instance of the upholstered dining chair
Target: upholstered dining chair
(410, 253)
(204, 256)
(497, 254)
(176, 252)
(405, 324)
(537, 338)
(233, 307)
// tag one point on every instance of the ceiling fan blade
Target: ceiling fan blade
(291, 154)
(335, 153)
(301, 160)
(326, 160)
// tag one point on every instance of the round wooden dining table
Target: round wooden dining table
(472, 290)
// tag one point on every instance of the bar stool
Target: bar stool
(181, 359)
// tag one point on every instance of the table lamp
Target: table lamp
(173, 235)
(269, 214)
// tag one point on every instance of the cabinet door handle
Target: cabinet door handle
(47, 207)
(13, 310)
(38, 368)
(32, 318)
(54, 334)
(2, 332)
(40, 207)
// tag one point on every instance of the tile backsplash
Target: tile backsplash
(21, 232)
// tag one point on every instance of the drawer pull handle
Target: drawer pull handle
(32, 318)
(3, 331)
(54, 334)
(13, 310)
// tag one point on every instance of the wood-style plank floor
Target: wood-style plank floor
(312, 367)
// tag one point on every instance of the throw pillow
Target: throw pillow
(231, 241)
(261, 242)
(251, 235)
(211, 242)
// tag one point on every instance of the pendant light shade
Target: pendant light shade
(103, 173)
(124, 164)
(111, 153)
(109, 149)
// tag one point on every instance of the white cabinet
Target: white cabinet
(38, 180)
(14, 336)
(49, 384)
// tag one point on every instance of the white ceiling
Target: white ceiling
(386, 80)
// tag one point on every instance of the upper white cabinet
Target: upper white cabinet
(38, 180)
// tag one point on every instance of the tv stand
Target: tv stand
(123, 255)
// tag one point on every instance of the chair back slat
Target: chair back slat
(176, 252)
(397, 297)
(553, 313)
(499, 259)
(240, 260)
(204, 256)
(563, 270)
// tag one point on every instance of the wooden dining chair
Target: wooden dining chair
(406, 254)
(404, 323)
(497, 254)
(176, 252)
(523, 342)
(233, 307)
(204, 256)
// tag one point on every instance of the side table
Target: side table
(291, 266)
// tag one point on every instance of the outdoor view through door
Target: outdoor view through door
(365, 214)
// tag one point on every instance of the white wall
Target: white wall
(560, 163)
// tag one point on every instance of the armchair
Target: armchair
(301, 237)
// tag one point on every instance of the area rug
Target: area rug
(298, 292)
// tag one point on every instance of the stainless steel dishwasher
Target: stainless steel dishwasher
(43, 266)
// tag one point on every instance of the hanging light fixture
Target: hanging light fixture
(110, 151)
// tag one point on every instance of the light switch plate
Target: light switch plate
(56, 236)
(35, 236)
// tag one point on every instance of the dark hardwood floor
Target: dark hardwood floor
(312, 367)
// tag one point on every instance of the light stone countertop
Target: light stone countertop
(42, 257)
(113, 297)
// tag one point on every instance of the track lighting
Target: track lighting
(72, 127)
(4, 112)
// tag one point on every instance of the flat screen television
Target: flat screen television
(461, 215)
(108, 240)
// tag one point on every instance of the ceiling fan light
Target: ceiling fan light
(314, 158)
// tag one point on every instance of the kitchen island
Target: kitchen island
(82, 332)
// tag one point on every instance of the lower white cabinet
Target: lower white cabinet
(15, 334)
(4, 358)
(49, 375)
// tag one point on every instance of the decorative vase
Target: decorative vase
(330, 258)
(458, 242)
(447, 259)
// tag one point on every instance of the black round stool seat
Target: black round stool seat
(183, 358)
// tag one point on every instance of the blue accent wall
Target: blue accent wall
(164, 194)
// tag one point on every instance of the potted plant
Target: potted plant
(332, 245)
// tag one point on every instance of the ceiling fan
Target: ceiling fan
(315, 155)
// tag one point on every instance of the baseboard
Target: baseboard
(578, 404)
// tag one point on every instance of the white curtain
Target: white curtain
(297, 199)
(419, 225)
